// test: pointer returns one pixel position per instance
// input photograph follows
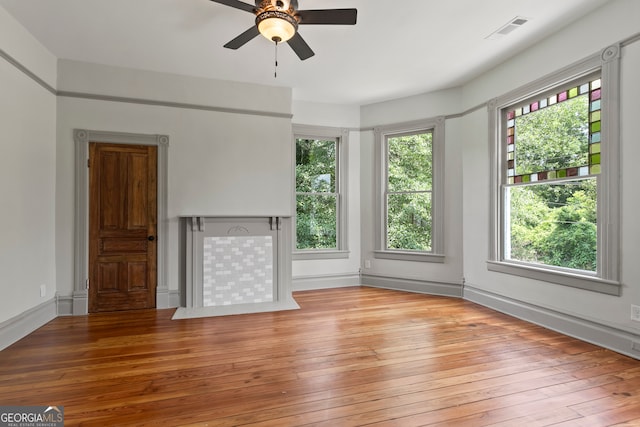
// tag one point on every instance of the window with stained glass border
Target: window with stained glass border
(605, 120)
(591, 91)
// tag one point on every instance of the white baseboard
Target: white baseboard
(23, 324)
(604, 336)
(412, 285)
(309, 283)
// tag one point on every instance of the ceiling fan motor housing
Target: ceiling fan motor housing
(277, 4)
(281, 19)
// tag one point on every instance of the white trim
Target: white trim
(325, 281)
(24, 323)
(604, 336)
(608, 275)
(82, 137)
(437, 126)
(412, 285)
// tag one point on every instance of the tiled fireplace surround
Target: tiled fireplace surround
(236, 265)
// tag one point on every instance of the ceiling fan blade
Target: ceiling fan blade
(243, 38)
(328, 17)
(300, 47)
(237, 4)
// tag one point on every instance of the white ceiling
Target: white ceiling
(398, 48)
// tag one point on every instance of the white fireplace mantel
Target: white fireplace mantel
(236, 265)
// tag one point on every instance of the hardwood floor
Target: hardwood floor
(349, 357)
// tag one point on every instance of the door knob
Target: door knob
(151, 238)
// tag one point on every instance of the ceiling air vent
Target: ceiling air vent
(514, 24)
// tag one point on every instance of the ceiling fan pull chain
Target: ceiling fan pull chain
(275, 70)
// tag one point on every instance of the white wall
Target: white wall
(220, 163)
(467, 164)
(615, 22)
(27, 174)
(424, 106)
(334, 272)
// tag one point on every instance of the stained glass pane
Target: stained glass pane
(541, 147)
(594, 148)
(550, 138)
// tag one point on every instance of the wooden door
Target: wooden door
(122, 227)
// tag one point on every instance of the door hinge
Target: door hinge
(88, 163)
(87, 284)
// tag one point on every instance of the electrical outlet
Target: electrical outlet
(43, 291)
(367, 263)
(635, 312)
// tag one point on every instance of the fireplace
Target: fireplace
(236, 265)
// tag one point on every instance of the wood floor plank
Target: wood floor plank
(349, 357)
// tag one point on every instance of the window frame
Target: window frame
(382, 134)
(341, 137)
(606, 278)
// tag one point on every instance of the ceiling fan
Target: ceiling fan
(278, 21)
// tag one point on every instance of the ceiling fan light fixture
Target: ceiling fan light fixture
(276, 26)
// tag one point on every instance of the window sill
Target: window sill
(320, 254)
(410, 256)
(574, 280)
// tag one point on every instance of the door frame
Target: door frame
(82, 138)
